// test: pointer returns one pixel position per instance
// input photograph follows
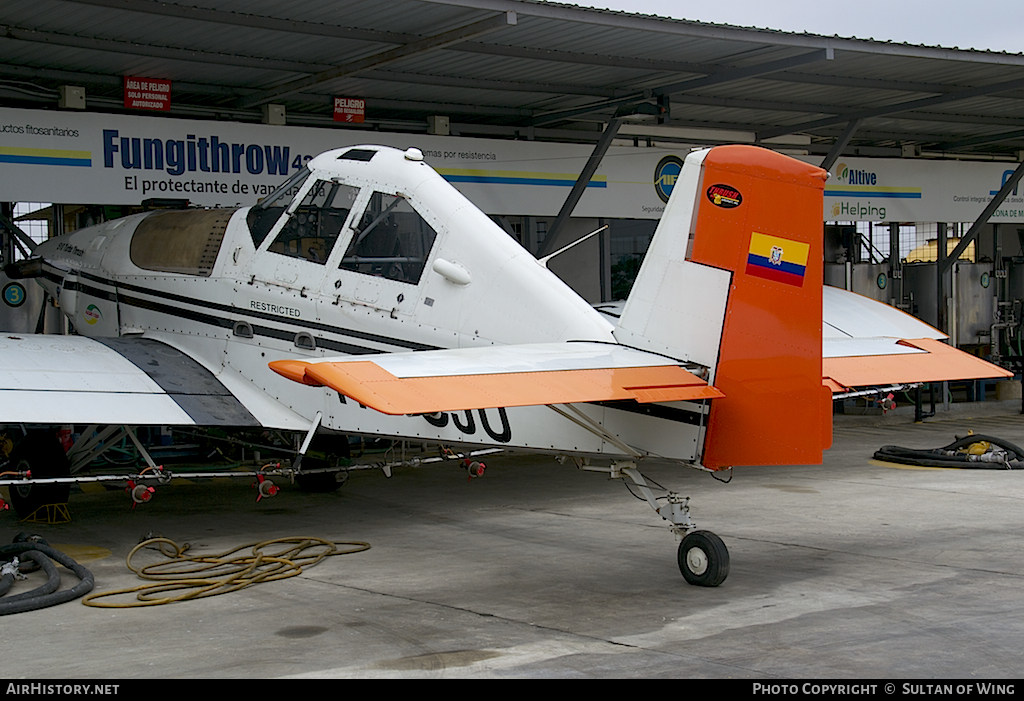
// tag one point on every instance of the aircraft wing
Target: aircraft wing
(74, 379)
(425, 382)
(866, 343)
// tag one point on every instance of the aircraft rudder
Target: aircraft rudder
(760, 217)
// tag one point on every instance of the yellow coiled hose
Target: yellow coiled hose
(199, 576)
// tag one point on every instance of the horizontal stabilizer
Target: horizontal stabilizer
(933, 361)
(867, 344)
(500, 376)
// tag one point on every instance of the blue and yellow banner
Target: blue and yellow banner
(45, 156)
(515, 177)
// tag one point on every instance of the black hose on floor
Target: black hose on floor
(1002, 455)
(37, 551)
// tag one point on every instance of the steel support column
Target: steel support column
(972, 233)
(941, 322)
(841, 143)
(895, 268)
(580, 186)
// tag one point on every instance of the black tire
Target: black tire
(703, 559)
(42, 453)
(334, 446)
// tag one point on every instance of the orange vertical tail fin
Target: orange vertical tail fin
(754, 218)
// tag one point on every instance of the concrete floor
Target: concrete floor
(853, 569)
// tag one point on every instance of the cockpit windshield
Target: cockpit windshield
(264, 215)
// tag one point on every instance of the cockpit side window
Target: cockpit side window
(392, 241)
(313, 228)
(263, 216)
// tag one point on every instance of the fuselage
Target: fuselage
(365, 250)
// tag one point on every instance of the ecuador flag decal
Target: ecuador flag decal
(778, 259)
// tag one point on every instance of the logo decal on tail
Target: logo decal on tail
(724, 196)
(777, 259)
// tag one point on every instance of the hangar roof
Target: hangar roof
(519, 69)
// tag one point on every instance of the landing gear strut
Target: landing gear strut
(703, 557)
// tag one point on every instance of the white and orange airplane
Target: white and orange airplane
(368, 296)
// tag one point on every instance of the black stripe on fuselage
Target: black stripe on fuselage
(74, 286)
(224, 322)
(287, 335)
(685, 416)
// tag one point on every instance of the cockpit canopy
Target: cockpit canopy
(387, 236)
(263, 216)
(309, 215)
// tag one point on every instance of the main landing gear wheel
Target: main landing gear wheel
(335, 447)
(321, 482)
(42, 453)
(703, 559)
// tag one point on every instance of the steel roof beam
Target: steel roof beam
(981, 140)
(662, 66)
(449, 107)
(534, 54)
(755, 71)
(326, 30)
(225, 59)
(963, 118)
(844, 81)
(239, 19)
(617, 20)
(896, 108)
(431, 43)
(718, 78)
(753, 104)
(485, 84)
(277, 24)
(169, 52)
(725, 32)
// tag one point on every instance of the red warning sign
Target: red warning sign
(349, 109)
(147, 93)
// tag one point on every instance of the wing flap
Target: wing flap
(937, 363)
(594, 373)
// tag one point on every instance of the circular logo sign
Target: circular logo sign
(14, 294)
(665, 175)
(92, 314)
(725, 196)
(985, 279)
(882, 281)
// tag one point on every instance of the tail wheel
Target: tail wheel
(42, 453)
(703, 559)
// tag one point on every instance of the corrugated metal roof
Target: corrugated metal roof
(558, 72)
